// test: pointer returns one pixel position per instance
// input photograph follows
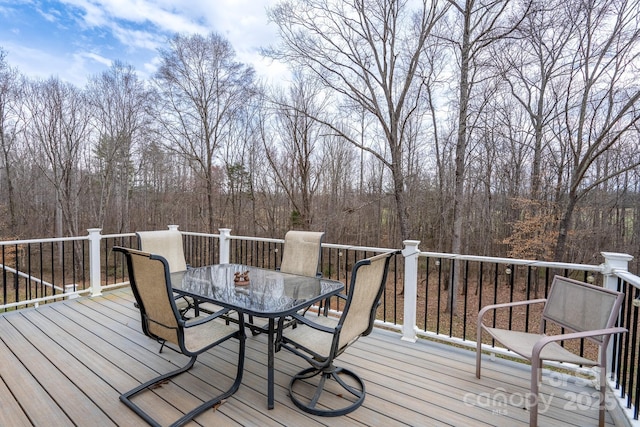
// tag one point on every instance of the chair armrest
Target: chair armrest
(313, 324)
(539, 345)
(201, 320)
(487, 308)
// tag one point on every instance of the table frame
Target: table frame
(271, 316)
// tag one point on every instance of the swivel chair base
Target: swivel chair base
(333, 374)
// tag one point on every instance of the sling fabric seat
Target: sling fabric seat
(168, 244)
(320, 339)
(149, 276)
(583, 311)
(301, 253)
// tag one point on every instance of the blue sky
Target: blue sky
(75, 39)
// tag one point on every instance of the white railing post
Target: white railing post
(410, 253)
(225, 245)
(173, 227)
(613, 262)
(94, 261)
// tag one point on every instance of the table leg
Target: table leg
(270, 357)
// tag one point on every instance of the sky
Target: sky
(77, 39)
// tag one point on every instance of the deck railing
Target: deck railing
(428, 295)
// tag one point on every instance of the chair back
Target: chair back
(582, 307)
(166, 243)
(368, 278)
(150, 282)
(301, 253)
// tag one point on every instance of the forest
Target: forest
(503, 128)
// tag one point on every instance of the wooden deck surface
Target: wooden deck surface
(66, 363)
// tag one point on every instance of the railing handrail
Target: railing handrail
(630, 278)
(117, 235)
(514, 261)
(277, 240)
(45, 240)
(194, 233)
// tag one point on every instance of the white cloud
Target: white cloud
(137, 38)
(49, 16)
(165, 16)
(140, 27)
(72, 67)
(92, 14)
(97, 58)
(244, 22)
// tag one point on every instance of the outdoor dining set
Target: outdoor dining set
(191, 310)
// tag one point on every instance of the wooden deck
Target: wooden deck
(66, 363)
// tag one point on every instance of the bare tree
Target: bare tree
(480, 23)
(338, 185)
(300, 138)
(367, 53)
(245, 164)
(57, 132)
(119, 102)
(601, 107)
(532, 65)
(9, 105)
(201, 87)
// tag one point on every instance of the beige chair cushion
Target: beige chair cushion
(166, 243)
(301, 252)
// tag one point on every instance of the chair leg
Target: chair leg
(603, 391)
(533, 396)
(478, 357)
(478, 348)
(126, 397)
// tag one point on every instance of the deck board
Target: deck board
(66, 363)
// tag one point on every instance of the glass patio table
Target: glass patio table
(256, 292)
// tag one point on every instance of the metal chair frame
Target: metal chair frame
(586, 311)
(176, 334)
(342, 333)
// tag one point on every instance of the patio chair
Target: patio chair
(301, 255)
(319, 340)
(168, 244)
(161, 321)
(581, 311)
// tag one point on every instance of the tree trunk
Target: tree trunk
(563, 228)
(461, 148)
